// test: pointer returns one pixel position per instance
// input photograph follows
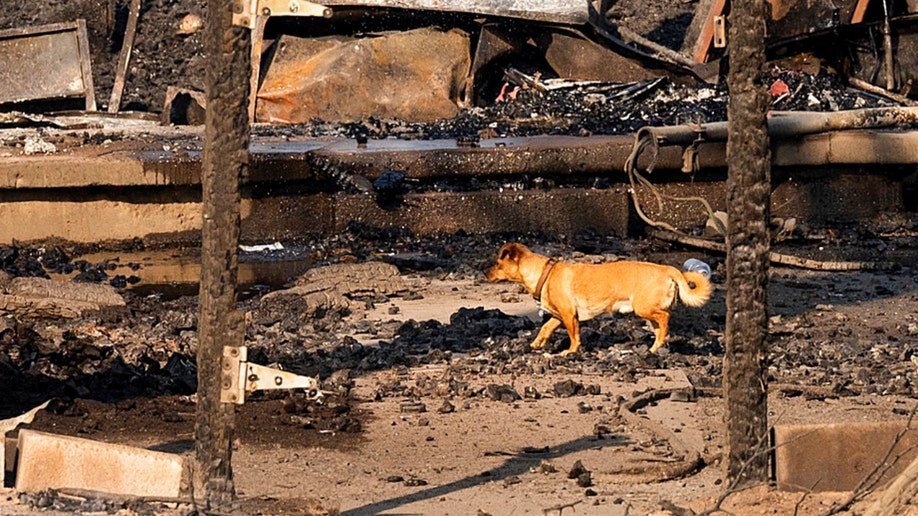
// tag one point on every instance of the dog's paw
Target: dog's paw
(537, 345)
(567, 352)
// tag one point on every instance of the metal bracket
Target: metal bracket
(240, 377)
(245, 11)
(720, 31)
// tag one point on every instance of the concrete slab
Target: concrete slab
(8, 448)
(836, 457)
(563, 211)
(151, 190)
(48, 461)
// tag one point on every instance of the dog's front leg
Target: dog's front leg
(573, 331)
(547, 329)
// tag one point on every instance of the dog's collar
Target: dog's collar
(537, 293)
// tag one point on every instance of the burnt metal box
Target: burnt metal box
(47, 62)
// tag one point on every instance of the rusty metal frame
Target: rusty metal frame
(245, 12)
(572, 12)
(82, 48)
(254, 15)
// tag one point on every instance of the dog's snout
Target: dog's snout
(493, 274)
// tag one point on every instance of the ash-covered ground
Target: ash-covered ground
(845, 340)
(444, 345)
(828, 329)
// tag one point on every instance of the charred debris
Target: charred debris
(519, 69)
(523, 68)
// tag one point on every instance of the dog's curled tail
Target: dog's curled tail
(694, 288)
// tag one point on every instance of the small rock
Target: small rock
(602, 428)
(509, 481)
(547, 467)
(189, 24)
(412, 407)
(446, 408)
(576, 470)
(503, 393)
(682, 395)
(531, 393)
(568, 388)
(509, 297)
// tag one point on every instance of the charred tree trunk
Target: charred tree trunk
(748, 194)
(226, 142)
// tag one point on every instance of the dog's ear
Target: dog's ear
(510, 252)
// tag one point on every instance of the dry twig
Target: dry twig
(560, 508)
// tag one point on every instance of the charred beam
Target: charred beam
(225, 161)
(748, 190)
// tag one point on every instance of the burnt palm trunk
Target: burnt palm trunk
(748, 193)
(226, 142)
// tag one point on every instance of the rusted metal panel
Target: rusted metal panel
(557, 11)
(395, 75)
(45, 63)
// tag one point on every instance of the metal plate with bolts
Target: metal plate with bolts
(240, 377)
(47, 62)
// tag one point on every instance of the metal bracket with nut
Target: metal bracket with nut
(720, 31)
(240, 377)
(246, 11)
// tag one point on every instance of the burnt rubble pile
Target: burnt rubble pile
(586, 108)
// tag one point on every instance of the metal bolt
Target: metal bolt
(278, 380)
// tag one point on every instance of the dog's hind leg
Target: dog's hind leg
(660, 321)
(547, 329)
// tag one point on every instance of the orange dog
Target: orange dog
(573, 292)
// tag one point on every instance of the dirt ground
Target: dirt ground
(438, 407)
